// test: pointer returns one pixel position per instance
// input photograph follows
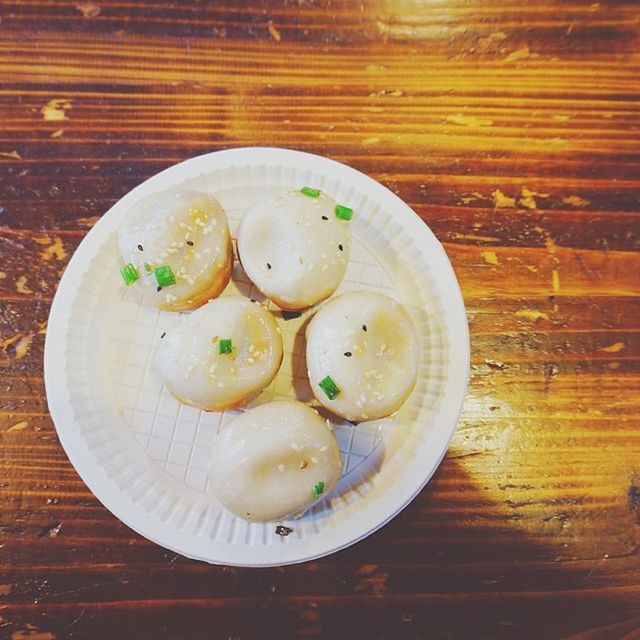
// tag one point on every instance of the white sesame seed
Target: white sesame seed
(314, 460)
(295, 447)
(324, 267)
(281, 468)
(323, 447)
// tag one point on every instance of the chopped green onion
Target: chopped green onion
(329, 387)
(225, 345)
(318, 489)
(310, 191)
(129, 274)
(344, 213)
(165, 276)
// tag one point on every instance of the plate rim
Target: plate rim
(104, 488)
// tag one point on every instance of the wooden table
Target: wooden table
(512, 129)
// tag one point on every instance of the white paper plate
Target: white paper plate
(144, 455)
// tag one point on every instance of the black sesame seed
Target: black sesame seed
(164, 333)
(268, 265)
(340, 247)
(347, 353)
(140, 248)
(325, 218)
(283, 531)
(190, 243)
(159, 289)
(290, 315)
(364, 327)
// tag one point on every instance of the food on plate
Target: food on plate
(362, 355)
(274, 461)
(295, 247)
(221, 355)
(176, 247)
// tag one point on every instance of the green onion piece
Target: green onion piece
(344, 213)
(165, 276)
(225, 345)
(310, 191)
(318, 489)
(129, 274)
(329, 387)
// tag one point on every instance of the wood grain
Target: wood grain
(512, 129)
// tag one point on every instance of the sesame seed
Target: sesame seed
(325, 218)
(140, 248)
(158, 289)
(268, 266)
(364, 327)
(348, 354)
(340, 247)
(314, 460)
(295, 447)
(323, 447)
(281, 468)
(324, 267)
(190, 243)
